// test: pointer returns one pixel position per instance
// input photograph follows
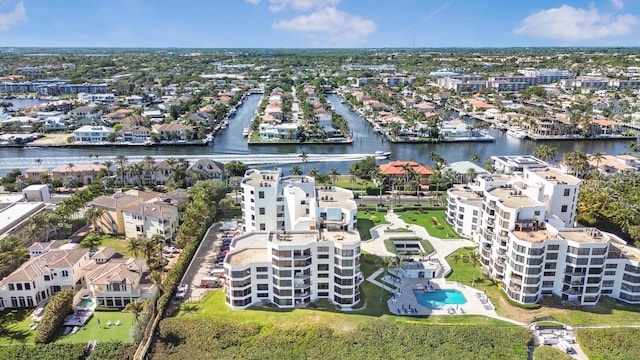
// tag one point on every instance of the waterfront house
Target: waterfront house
(397, 170)
(92, 134)
(173, 132)
(603, 127)
(610, 164)
(133, 134)
(425, 107)
(202, 117)
(549, 126)
(85, 174)
(207, 168)
(87, 111)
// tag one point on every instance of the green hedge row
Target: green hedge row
(57, 309)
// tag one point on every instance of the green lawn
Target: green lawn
(18, 331)
(213, 305)
(366, 221)
(344, 181)
(423, 218)
(103, 333)
(607, 312)
(121, 245)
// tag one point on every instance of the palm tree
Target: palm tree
(314, 172)
(121, 162)
(597, 157)
(295, 170)
(333, 173)
(156, 279)
(386, 261)
(545, 152)
(378, 179)
(38, 161)
(304, 157)
(456, 258)
(135, 308)
(576, 161)
(471, 174)
(474, 259)
(150, 247)
(475, 157)
(135, 246)
(398, 261)
(18, 255)
(93, 215)
(108, 164)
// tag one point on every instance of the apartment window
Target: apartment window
(139, 228)
(261, 211)
(611, 266)
(11, 287)
(323, 267)
(323, 275)
(607, 283)
(564, 208)
(47, 278)
(567, 192)
(536, 213)
(263, 227)
(610, 272)
(550, 266)
(323, 249)
(323, 286)
(553, 247)
(263, 286)
(260, 194)
(27, 286)
(549, 273)
(547, 284)
(323, 256)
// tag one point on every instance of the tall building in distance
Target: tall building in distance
(300, 244)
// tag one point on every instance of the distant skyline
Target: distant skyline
(318, 23)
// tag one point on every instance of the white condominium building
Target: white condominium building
(300, 245)
(523, 223)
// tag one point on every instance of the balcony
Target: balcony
(514, 287)
(516, 279)
(302, 285)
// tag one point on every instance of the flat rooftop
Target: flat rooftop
(536, 236)
(330, 196)
(509, 199)
(12, 215)
(587, 235)
(460, 191)
(247, 256)
(262, 178)
(557, 176)
(624, 251)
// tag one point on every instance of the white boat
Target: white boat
(377, 128)
(517, 132)
(245, 132)
(382, 155)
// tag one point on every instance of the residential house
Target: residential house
(87, 111)
(92, 134)
(611, 164)
(149, 219)
(134, 134)
(112, 222)
(173, 132)
(397, 170)
(42, 276)
(208, 169)
(84, 173)
(115, 281)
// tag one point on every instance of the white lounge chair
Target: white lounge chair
(108, 322)
(75, 329)
(117, 323)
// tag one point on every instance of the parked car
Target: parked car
(181, 293)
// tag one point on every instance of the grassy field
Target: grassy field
(423, 218)
(18, 331)
(607, 312)
(344, 181)
(426, 245)
(121, 245)
(366, 221)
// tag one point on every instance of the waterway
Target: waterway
(231, 145)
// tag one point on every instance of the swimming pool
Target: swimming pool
(439, 298)
(85, 303)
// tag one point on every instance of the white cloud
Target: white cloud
(618, 4)
(573, 24)
(301, 5)
(254, 2)
(340, 28)
(18, 14)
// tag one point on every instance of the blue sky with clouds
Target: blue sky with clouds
(319, 23)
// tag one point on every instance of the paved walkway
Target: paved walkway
(403, 300)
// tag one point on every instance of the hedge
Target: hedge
(57, 309)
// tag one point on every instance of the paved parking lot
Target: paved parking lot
(203, 262)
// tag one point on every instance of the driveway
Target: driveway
(202, 262)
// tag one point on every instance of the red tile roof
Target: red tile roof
(394, 168)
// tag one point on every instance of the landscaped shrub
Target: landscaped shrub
(112, 350)
(57, 309)
(199, 338)
(545, 352)
(44, 352)
(610, 344)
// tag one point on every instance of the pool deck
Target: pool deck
(477, 302)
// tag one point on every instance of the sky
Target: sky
(318, 23)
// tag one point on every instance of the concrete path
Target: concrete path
(403, 300)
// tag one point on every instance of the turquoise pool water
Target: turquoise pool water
(439, 298)
(85, 303)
